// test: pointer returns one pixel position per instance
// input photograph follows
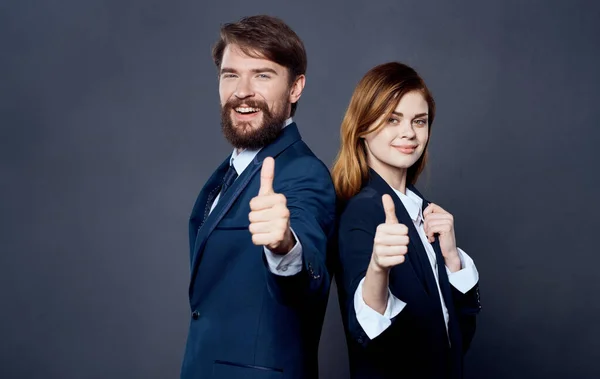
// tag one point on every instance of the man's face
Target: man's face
(256, 98)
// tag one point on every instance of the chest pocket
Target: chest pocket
(237, 216)
(233, 224)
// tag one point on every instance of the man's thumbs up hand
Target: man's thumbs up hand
(269, 216)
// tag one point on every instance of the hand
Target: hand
(269, 215)
(391, 239)
(438, 221)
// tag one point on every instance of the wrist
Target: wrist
(376, 269)
(453, 262)
(287, 244)
(375, 287)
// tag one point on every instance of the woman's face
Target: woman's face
(402, 139)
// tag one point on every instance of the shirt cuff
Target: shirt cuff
(288, 264)
(373, 322)
(466, 278)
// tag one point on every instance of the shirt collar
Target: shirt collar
(241, 160)
(413, 204)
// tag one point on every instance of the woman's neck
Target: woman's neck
(394, 176)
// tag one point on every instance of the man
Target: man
(259, 228)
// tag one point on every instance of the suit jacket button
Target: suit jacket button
(195, 315)
(360, 340)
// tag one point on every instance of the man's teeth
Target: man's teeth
(246, 110)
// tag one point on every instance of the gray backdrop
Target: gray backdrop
(110, 126)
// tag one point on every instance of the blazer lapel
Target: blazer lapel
(220, 210)
(454, 332)
(208, 192)
(441, 264)
(445, 287)
(288, 136)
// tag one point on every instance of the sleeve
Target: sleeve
(371, 321)
(465, 293)
(357, 226)
(467, 277)
(288, 264)
(311, 200)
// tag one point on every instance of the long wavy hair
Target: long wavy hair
(377, 94)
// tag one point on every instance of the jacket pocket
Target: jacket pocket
(233, 224)
(233, 370)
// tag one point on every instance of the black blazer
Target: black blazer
(416, 345)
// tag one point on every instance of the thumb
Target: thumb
(390, 209)
(267, 174)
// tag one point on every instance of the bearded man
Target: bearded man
(260, 226)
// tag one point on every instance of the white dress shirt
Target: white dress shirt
(283, 265)
(375, 323)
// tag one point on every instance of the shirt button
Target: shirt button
(195, 315)
(284, 268)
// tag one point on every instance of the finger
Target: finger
(262, 239)
(433, 208)
(267, 201)
(429, 233)
(438, 216)
(259, 216)
(272, 238)
(267, 174)
(392, 240)
(390, 209)
(391, 261)
(394, 229)
(386, 251)
(261, 227)
(431, 220)
(264, 215)
(439, 228)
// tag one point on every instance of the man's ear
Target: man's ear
(297, 88)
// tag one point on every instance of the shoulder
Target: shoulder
(299, 161)
(301, 176)
(365, 208)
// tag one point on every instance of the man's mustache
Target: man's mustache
(232, 104)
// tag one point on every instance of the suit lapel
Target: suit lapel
(288, 136)
(441, 264)
(210, 190)
(454, 332)
(446, 289)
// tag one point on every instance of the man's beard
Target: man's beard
(243, 135)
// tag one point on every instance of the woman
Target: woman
(409, 296)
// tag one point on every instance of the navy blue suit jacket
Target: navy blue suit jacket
(416, 345)
(247, 322)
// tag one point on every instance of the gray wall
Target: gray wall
(110, 126)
